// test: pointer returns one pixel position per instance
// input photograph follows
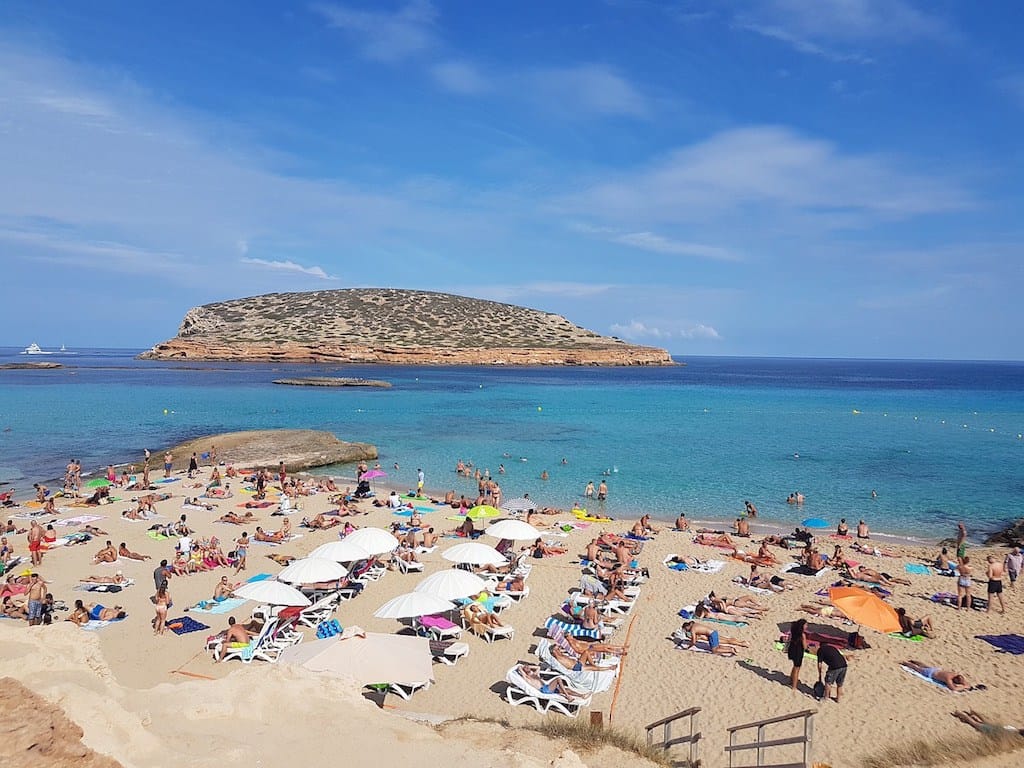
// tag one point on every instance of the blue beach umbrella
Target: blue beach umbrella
(815, 522)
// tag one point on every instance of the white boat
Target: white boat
(63, 348)
(33, 349)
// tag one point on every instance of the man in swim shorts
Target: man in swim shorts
(35, 542)
(995, 583)
(961, 541)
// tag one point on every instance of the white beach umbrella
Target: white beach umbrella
(310, 570)
(412, 604)
(474, 553)
(272, 592)
(376, 541)
(451, 584)
(343, 551)
(366, 657)
(522, 504)
(512, 529)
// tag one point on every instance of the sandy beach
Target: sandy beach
(133, 693)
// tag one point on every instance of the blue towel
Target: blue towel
(224, 606)
(679, 567)
(1006, 643)
(259, 577)
(917, 568)
(187, 625)
(572, 629)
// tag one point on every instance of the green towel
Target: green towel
(807, 654)
(156, 535)
(901, 636)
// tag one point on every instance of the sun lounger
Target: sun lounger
(406, 690)
(595, 681)
(605, 607)
(438, 627)
(406, 566)
(447, 651)
(259, 647)
(319, 611)
(521, 691)
(487, 632)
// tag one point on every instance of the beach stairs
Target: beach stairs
(678, 730)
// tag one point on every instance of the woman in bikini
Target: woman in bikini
(162, 601)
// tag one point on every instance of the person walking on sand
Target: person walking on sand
(994, 573)
(162, 601)
(35, 542)
(1013, 562)
(795, 650)
(168, 463)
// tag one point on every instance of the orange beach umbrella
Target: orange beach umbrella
(864, 608)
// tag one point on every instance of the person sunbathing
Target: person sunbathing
(739, 554)
(947, 677)
(556, 686)
(235, 634)
(406, 553)
(106, 555)
(466, 530)
(474, 613)
(682, 524)
(645, 522)
(235, 519)
(12, 609)
(586, 649)
(764, 581)
(98, 612)
(822, 610)
(872, 576)
(540, 549)
(512, 584)
(282, 559)
(910, 627)
(196, 502)
(722, 646)
(983, 725)
(93, 531)
(776, 541)
(638, 530)
(117, 578)
(276, 537)
(741, 603)
(571, 662)
(320, 522)
(123, 551)
(223, 590)
(715, 540)
(79, 615)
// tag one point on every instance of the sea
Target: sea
(937, 442)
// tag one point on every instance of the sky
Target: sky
(826, 178)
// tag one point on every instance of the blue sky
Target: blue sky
(757, 177)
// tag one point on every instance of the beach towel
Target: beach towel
(947, 572)
(1005, 643)
(917, 568)
(708, 566)
(89, 586)
(911, 638)
(79, 520)
(184, 625)
(224, 606)
(293, 537)
(94, 624)
(259, 577)
(156, 535)
(575, 630)
(255, 505)
(758, 590)
(195, 508)
(165, 480)
(949, 599)
(800, 569)
(779, 646)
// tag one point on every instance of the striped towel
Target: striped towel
(572, 629)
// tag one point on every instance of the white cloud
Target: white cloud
(289, 266)
(829, 27)
(770, 168)
(650, 241)
(635, 329)
(589, 89)
(385, 36)
(459, 77)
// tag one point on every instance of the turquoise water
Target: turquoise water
(939, 442)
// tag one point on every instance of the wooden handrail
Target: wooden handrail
(670, 718)
(766, 744)
(781, 718)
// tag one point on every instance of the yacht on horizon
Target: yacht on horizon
(34, 349)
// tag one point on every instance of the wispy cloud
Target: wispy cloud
(769, 167)
(655, 243)
(834, 29)
(385, 36)
(459, 77)
(289, 266)
(635, 329)
(590, 89)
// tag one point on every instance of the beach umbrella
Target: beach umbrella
(344, 551)
(865, 608)
(366, 657)
(474, 553)
(376, 541)
(519, 505)
(311, 570)
(98, 482)
(483, 512)
(815, 522)
(413, 604)
(451, 584)
(513, 529)
(272, 592)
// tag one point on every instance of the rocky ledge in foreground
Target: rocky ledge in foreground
(333, 381)
(29, 366)
(367, 325)
(298, 448)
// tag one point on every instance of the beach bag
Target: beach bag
(819, 690)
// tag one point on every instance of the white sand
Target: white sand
(156, 692)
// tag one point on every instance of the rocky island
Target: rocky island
(386, 325)
(333, 381)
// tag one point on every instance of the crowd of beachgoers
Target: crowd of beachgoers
(569, 610)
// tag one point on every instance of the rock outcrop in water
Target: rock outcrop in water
(362, 325)
(333, 381)
(298, 448)
(1011, 536)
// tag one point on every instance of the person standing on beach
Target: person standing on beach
(963, 583)
(145, 457)
(829, 656)
(160, 576)
(162, 601)
(241, 548)
(961, 540)
(795, 650)
(36, 597)
(994, 572)
(35, 542)
(282, 474)
(419, 482)
(168, 463)
(588, 492)
(1013, 562)
(69, 475)
(193, 465)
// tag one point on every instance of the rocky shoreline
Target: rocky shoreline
(333, 381)
(299, 449)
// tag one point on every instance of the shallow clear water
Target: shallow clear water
(939, 441)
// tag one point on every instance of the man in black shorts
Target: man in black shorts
(829, 656)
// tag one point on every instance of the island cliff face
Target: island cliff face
(363, 325)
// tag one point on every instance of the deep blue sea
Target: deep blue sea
(938, 441)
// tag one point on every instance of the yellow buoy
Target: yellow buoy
(165, 411)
